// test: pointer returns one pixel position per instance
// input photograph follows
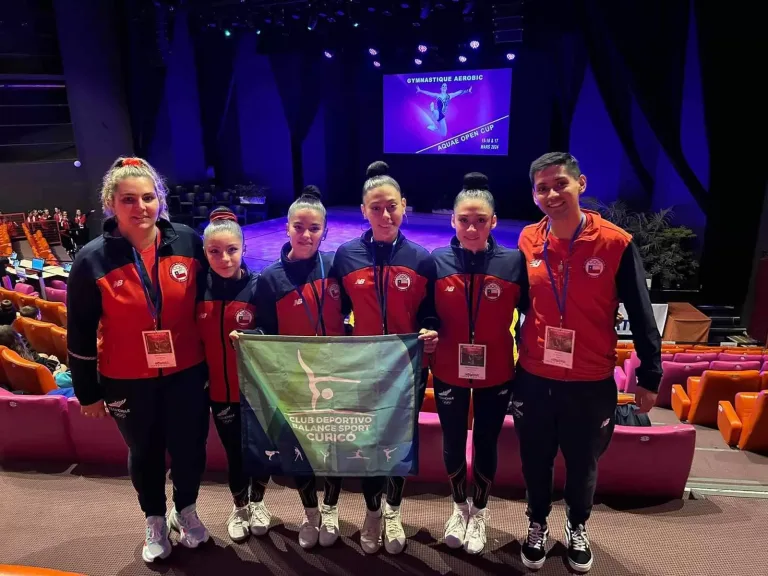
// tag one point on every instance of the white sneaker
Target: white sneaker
(456, 527)
(474, 541)
(370, 535)
(260, 518)
(238, 525)
(394, 535)
(329, 530)
(156, 543)
(191, 531)
(309, 531)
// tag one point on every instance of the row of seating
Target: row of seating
(40, 246)
(744, 423)
(6, 248)
(641, 461)
(626, 352)
(50, 311)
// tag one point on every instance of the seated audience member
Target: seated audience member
(16, 342)
(32, 312)
(7, 313)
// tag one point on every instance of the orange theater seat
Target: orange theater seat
(59, 338)
(50, 311)
(625, 345)
(699, 405)
(746, 424)
(26, 376)
(25, 300)
(707, 348)
(625, 399)
(3, 378)
(63, 316)
(623, 354)
(6, 570)
(39, 335)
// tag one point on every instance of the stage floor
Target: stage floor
(264, 240)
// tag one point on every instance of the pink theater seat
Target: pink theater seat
(676, 373)
(55, 295)
(630, 366)
(765, 367)
(96, 440)
(58, 284)
(431, 464)
(736, 357)
(216, 456)
(620, 378)
(734, 366)
(691, 357)
(647, 461)
(34, 428)
(23, 288)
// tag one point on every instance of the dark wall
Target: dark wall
(44, 185)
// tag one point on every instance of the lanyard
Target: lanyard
(468, 294)
(320, 301)
(381, 291)
(567, 268)
(151, 289)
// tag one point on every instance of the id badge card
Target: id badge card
(472, 361)
(558, 347)
(158, 346)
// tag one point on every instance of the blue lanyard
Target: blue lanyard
(151, 291)
(382, 291)
(566, 266)
(468, 295)
(320, 303)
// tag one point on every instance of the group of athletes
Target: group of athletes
(152, 308)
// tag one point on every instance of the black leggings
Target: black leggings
(490, 407)
(244, 489)
(306, 485)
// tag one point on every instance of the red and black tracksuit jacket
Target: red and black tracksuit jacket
(105, 297)
(605, 268)
(224, 305)
(488, 286)
(405, 275)
(287, 289)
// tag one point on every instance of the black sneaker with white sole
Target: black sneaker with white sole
(579, 553)
(534, 553)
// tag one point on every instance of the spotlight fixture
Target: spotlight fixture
(425, 9)
(474, 44)
(462, 59)
(418, 62)
(355, 24)
(510, 56)
(373, 52)
(377, 63)
(227, 33)
(312, 22)
(422, 48)
(258, 32)
(328, 54)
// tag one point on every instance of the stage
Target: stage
(263, 240)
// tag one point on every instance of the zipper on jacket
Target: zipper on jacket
(382, 304)
(470, 306)
(224, 348)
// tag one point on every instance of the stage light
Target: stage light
(312, 22)
(355, 24)
(373, 52)
(77, 164)
(474, 44)
(425, 9)
(510, 56)
(258, 32)
(462, 59)
(418, 62)
(227, 33)
(422, 48)
(405, 5)
(328, 54)
(377, 63)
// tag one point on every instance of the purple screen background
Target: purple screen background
(407, 113)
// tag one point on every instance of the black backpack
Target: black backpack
(628, 415)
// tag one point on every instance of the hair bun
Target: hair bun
(475, 181)
(378, 168)
(222, 213)
(7, 306)
(311, 191)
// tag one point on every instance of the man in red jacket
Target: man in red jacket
(580, 267)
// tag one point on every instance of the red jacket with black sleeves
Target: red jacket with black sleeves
(497, 277)
(405, 274)
(105, 294)
(224, 305)
(287, 289)
(605, 269)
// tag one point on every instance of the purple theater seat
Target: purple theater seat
(34, 428)
(96, 440)
(58, 284)
(647, 461)
(431, 465)
(55, 295)
(676, 373)
(630, 367)
(691, 357)
(734, 366)
(620, 378)
(25, 289)
(736, 357)
(216, 456)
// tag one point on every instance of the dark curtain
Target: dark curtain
(570, 64)
(299, 79)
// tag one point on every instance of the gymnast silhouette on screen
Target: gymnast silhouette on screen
(439, 105)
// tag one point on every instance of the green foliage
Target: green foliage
(665, 248)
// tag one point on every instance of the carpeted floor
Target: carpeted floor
(92, 525)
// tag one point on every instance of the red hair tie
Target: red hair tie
(224, 216)
(131, 162)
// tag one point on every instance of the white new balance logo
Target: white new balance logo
(327, 393)
(298, 302)
(449, 288)
(117, 284)
(360, 281)
(535, 263)
(117, 404)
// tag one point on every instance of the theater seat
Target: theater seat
(26, 376)
(54, 295)
(22, 288)
(620, 378)
(51, 311)
(623, 354)
(745, 423)
(740, 356)
(34, 428)
(27, 300)
(39, 335)
(699, 405)
(690, 357)
(674, 373)
(7, 570)
(630, 369)
(724, 366)
(59, 339)
(3, 378)
(95, 440)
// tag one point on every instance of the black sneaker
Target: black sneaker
(533, 553)
(579, 553)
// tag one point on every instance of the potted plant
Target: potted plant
(669, 262)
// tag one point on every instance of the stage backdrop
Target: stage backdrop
(460, 112)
